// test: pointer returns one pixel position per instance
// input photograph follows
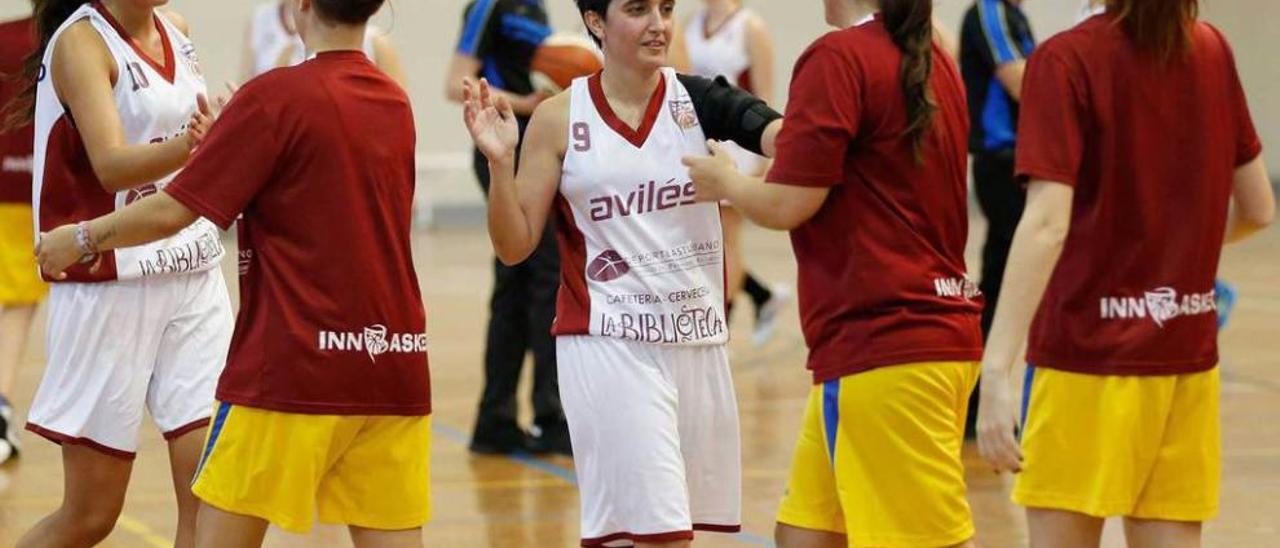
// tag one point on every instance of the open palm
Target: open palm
(490, 120)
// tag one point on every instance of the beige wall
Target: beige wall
(425, 31)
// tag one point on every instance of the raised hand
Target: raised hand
(490, 120)
(201, 121)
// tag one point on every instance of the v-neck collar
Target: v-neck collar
(636, 136)
(167, 70)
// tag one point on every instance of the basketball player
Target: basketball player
(324, 405)
(870, 180)
(726, 38)
(1127, 211)
(271, 41)
(21, 289)
(140, 327)
(640, 327)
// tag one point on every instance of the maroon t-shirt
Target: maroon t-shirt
(1150, 150)
(881, 265)
(17, 41)
(319, 159)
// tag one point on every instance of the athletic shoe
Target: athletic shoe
(767, 314)
(551, 439)
(8, 435)
(501, 439)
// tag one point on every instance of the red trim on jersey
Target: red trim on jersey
(713, 528)
(63, 439)
(573, 302)
(744, 81)
(655, 537)
(636, 136)
(186, 429)
(71, 192)
(169, 69)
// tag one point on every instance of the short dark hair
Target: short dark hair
(350, 12)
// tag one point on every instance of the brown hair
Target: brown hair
(48, 15)
(1161, 28)
(910, 24)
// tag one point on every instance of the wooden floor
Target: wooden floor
(499, 501)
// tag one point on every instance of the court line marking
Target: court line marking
(141, 530)
(457, 436)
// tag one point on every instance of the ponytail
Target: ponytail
(48, 15)
(910, 24)
(1161, 28)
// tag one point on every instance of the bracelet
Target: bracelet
(84, 242)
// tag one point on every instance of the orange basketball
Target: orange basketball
(560, 59)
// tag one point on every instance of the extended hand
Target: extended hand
(490, 120)
(711, 175)
(57, 250)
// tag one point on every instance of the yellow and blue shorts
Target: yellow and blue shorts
(1147, 447)
(878, 458)
(20, 282)
(367, 471)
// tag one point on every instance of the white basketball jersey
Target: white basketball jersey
(269, 37)
(640, 260)
(722, 53)
(155, 101)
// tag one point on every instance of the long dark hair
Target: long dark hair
(48, 15)
(1161, 28)
(910, 24)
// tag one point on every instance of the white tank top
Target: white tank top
(722, 53)
(268, 38)
(155, 103)
(640, 260)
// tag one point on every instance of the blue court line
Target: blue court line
(457, 436)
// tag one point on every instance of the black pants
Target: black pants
(521, 310)
(1002, 200)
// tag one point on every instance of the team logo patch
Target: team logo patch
(1161, 305)
(683, 113)
(608, 266)
(191, 59)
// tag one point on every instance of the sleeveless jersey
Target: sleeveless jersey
(268, 38)
(155, 103)
(723, 53)
(640, 260)
(17, 40)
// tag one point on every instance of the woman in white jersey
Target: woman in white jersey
(644, 373)
(272, 41)
(115, 114)
(725, 38)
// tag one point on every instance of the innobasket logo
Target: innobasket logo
(1161, 305)
(374, 341)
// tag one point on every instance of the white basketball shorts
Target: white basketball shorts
(655, 439)
(116, 348)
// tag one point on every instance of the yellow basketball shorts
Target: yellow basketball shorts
(368, 471)
(1146, 447)
(20, 282)
(878, 458)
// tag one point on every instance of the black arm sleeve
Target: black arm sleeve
(727, 113)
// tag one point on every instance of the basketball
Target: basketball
(608, 266)
(560, 59)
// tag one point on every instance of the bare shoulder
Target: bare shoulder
(550, 121)
(177, 20)
(80, 40)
